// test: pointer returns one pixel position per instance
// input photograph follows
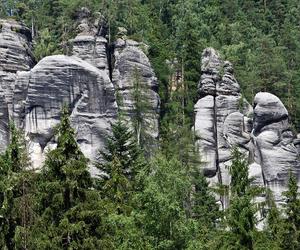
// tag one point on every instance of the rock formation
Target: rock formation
(90, 44)
(90, 78)
(224, 119)
(33, 95)
(133, 72)
(221, 116)
(273, 143)
(80, 81)
(59, 80)
(15, 55)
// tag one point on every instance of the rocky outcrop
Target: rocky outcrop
(34, 95)
(273, 143)
(90, 44)
(59, 80)
(221, 117)
(133, 75)
(224, 119)
(15, 55)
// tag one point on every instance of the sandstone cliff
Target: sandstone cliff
(33, 96)
(94, 73)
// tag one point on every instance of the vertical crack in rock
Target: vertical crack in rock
(223, 120)
(224, 125)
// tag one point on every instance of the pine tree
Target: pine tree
(274, 220)
(123, 171)
(141, 113)
(121, 163)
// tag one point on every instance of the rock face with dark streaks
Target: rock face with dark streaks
(224, 119)
(59, 80)
(33, 95)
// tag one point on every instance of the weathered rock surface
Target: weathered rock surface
(224, 119)
(131, 67)
(221, 112)
(274, 148)
(90, 44)
(15, 55)
(34, 95)
(59, 80)
(15, 48)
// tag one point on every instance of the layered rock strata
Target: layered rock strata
(133, 75)
(15, 55)
(224, 119)
(33, 95)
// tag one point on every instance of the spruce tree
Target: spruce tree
(123, 170)
(141, 114)
(15, 198)
(70, 211)
(121, 163)
(241, 212)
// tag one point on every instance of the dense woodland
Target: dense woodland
(162, 201)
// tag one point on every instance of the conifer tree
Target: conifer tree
(123, 171)
(241, 212)
(15, 198)
(291, 225)
(141, 113)
(274, 220)
(70, 211)
(121, 163)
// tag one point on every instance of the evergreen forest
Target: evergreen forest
(159, 201)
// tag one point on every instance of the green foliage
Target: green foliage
(69, 210)
(140, 111)
(291, 225)
(15, 198)
(241, 212)
(45, 45)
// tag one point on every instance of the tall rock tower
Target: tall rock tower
(224, 119)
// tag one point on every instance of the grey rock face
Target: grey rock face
(132, 66)
(274, 148)
(90, 43)
(220, 121)
(224, 119)
(59, 80)
(15, 49)
(15, 55)
(34, 95)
